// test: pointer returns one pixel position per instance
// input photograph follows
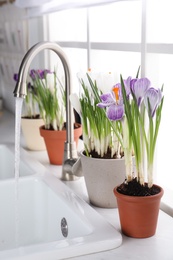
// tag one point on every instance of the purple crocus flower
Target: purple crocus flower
(113, 101)
(127, 88)
(15, 76)
(139, 88)
(34, 74)
(114, 108)
(153, 97)
(30, 87)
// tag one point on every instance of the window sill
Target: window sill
(167, 201)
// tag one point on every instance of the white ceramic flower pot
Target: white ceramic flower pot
(30, 130)
(101, 177)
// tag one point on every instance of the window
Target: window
(98, 33)
(112, 38)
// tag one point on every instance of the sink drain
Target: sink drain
(64, 227)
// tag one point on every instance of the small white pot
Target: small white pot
(31, 133)
(101, 177)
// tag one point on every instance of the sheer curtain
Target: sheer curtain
(62, 3)
(40, 7)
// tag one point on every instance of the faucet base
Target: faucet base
(69, 177)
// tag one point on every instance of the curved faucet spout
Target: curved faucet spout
(20, 90)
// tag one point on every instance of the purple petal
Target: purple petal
(107, 100)
(139, 88)
(42, 73)
(132, 82)
(115, 112)
(154, 97)
(15, 77)
(102, 105)
(34, 74)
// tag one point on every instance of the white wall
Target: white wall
(17, 35)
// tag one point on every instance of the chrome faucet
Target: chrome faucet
(71, 164)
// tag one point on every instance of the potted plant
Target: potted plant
(102, 159)
(50, 96)
(138, 198)
(31, 119)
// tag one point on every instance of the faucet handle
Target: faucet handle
(77, 167)
(72, 167)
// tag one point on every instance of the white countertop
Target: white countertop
(158, 247)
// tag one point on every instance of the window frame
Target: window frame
(144, 48)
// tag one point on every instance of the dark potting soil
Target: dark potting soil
(134, 188)
(107, 155)
(131, 188)
(32, 117)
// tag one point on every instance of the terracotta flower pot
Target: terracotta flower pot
(101, 176)
(54, 141)
(138, 215)
(30, 130)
